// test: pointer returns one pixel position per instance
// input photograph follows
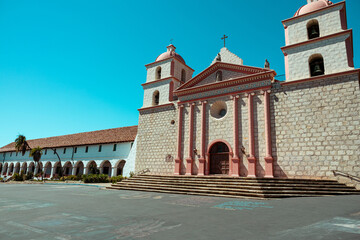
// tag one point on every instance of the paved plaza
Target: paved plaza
(45, 211)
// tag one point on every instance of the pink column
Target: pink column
(202, 160)
(189, 159)
(251, 158)
(178, 159)
(235, 160)
(269, 161)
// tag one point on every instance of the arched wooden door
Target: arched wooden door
(219, 158)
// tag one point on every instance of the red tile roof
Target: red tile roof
(113, 135)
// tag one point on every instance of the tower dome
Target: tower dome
(312, 5)
(170, 53)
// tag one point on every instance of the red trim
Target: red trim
(221, 65)
(269, 168)
(350, 51)
(161, 80)
(208, 153)
(228, 83)
(178, 159)
(202, 159)
(321, 77)
(226, 94)
(235, 161)
(154, 107)
(189, 159)
(316, 11)
(343, 17)
(171, 91)
(317, 39)
(172, 69)
(251, 158)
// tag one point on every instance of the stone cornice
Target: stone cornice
(160, 80)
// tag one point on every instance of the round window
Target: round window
(218, 109)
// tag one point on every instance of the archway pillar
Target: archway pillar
(190, 159)
(235, 160)
(269, 160)
(251, 157)
(114, 171)
(178, 159)
(202, 159)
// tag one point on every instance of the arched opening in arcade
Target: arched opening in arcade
(57, 169)
(120, 167)
(219, 158)
(24, 167)
(79, 168)
(39, 168)
(105, 168)
(91, 168)
(11, 169)
(31, 167)
(5, 169)
(47, 170)
(17, 168)
(67, 168)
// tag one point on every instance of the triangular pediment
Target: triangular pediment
(228, 73)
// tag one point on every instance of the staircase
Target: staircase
(224, 186)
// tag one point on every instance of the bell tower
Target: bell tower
(318, 41)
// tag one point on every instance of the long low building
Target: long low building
(111, 151)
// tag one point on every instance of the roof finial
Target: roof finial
(224, 37)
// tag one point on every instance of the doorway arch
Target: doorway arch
(120, 167)
(79, 168)
(219, 157)
(48, 170)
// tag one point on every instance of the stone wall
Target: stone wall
(315, 127)
(156, 140)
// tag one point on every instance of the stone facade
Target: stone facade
(315, 127)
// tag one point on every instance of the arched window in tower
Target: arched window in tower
(313, 29)
(158, 73)
(183, 75)
(219, 76)
(156, 97)
(316, 65)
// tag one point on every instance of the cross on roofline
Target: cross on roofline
(224, 37)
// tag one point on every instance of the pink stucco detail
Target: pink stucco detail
(269, 172)
(286, 66)
(313, 6)
(202, 160)
(251, 157)
(235, 161)
(189, 159)
(178, 159)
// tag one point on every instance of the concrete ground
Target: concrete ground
(48, 211)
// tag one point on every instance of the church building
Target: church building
(238, 120)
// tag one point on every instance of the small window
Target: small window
(10, 154)
(316, 65)
(16, 153)
(75, 150)
(45, 151)
(131, 144)
(219, 76)
(183, 75)
(156, 97)
(100, 146)
(86, 149)
(64, 151)
(114, 147)
(313, 29)
(158, 73)
(55, 151)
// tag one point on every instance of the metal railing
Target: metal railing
(352, 177)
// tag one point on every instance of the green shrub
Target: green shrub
(29, 176)
(116, 179)
(1, 179)
(96, 178)
(18, 177)
(131, 174)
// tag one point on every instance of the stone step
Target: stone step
(242, 190)
(233, 179)
(237, 184)
(227, 193)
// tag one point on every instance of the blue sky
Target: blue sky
(69, 66)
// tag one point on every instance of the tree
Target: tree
(21, 144)
(36, 154)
